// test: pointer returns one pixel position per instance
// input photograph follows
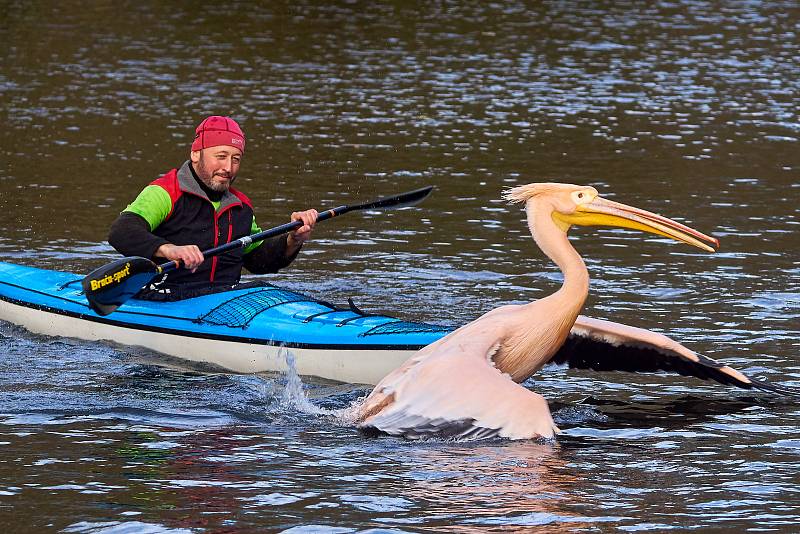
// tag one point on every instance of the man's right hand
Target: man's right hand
(189, 255)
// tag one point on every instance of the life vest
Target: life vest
(193, 220)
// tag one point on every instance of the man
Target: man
(195, 208)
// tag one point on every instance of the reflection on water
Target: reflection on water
(688, 109)
(526, 484)
(141, 445)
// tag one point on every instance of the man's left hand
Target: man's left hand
(296, 238)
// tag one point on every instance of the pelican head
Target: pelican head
(583, 206)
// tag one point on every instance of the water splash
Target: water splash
(294, 396)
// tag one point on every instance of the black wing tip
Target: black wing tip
(764, 385)
(431, 429)
(586, 351)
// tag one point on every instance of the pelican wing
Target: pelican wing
(457, 396)
(607, 346)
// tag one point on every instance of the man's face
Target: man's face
(217, 166)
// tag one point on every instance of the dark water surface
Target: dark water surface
(685, 108)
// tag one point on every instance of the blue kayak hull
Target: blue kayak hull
(246, 330)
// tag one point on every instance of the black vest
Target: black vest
(194, 221)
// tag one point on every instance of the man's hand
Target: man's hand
(189, 255)
(296, 238)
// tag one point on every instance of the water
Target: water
(688, 109)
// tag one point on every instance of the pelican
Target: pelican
(467, 385)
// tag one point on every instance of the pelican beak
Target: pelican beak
(602, 212)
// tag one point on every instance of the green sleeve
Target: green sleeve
(254, 229)
(153, 204)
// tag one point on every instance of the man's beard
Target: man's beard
(208, 178)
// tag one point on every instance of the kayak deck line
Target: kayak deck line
(318, 314)
(68, 283)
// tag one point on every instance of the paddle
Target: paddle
(111, 285)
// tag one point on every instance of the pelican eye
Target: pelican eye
(581, 197)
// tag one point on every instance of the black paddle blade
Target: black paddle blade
(404, 200)
(108, 287)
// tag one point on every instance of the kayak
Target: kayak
(248, 330)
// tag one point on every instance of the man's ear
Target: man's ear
(194, 155)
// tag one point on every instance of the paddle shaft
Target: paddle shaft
(111, 285)
(410, 198)
(266, 234)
